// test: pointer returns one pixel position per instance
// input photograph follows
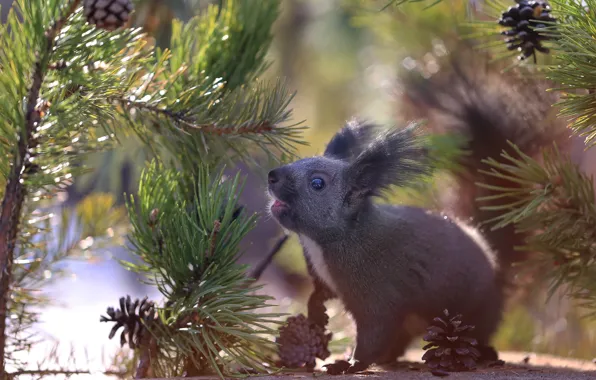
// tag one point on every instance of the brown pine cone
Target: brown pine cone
(108, 14)
(133, 320)
(301, 342)
(449, 347)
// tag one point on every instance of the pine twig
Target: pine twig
(181, 120)
(257, 128)
(15, 191)
(213, 241)
(258, 271)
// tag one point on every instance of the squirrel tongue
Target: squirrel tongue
(278, 203)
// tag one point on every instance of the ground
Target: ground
(537, 367)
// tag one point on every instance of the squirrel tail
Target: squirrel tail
(489, 108)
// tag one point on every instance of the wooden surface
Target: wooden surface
(537, 367)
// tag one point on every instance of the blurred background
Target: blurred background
(342, 58)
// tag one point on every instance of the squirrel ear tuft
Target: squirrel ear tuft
(350, 140)
(395, 157)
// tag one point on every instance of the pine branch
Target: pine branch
(262, 266)
(574, 68)
(183, 121)
(195, 102)
(190, 250)
(218, 125)
(206, 100)
(15, 191)
(555, 202)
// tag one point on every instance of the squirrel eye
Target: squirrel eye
(317, 183)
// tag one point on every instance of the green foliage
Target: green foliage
(556, 202)
(214, 60)
(202, 97)
(44, 135)
(188, 98)
(63, 136)
(213, 42)
(574, 69)
(69, 89)
(188, 244)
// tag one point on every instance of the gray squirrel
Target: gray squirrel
(396, 267)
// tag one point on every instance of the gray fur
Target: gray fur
(349, 142)
(393, 267)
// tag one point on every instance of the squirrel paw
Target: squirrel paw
(319, 319)
(357, 367)
(337, 368)
(488, 354)
(342, 366)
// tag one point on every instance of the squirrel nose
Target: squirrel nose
(273, 176)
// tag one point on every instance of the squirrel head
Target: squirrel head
(323, 196)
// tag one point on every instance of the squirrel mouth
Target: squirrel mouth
(278, 207)
(277, 204)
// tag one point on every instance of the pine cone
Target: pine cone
(449, 348)
(128, 318)
(527, 21)
(301, 342)
(108, 14)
